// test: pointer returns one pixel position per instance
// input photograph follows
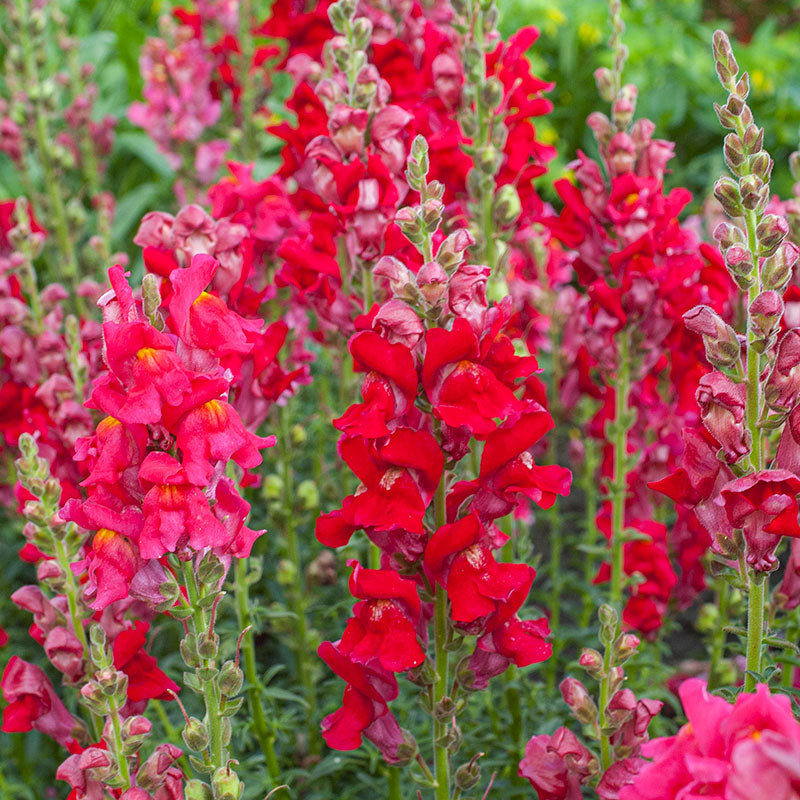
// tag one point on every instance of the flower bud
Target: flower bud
(794, 164)
(230, 679)
(765, 313)
(625, 646)
(771, 231)
(208, 644)
(754, 194)
(580, 703)
(507, 205)
(195, 735)
(134, 731)
(726, 117)
(761, 164)
(432, 283)
(286, 573)
(272, 487)
(407, 750)
(753, 139)
(492, 92)
(451, 251)
(197, 790)
(720, 340)
(592, 662)
(726, 190)
(210, 570)
(734, 153)
(739, 261)
(307, 493)
(468, 775)
(424, 674)
(776, 270)
(225, 784)
(727, 68)
(605, 83)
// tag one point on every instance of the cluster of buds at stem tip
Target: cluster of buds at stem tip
(348, 52)
(762, 252)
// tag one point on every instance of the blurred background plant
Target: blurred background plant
(668, 43)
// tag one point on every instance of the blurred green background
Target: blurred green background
(670, 62)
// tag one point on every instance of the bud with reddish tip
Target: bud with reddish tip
(783, 384)
(726, 190)
(722, 345)
(579, 700)
(592, 662)
(771, 231)
(776, 270)
(765, 315)
(625, 646)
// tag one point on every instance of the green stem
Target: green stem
(265, 738)
(755, 628)
(440, 630)
(393, 783)
(200, 623)
(122, 760)
(718, 642)
(297, 591)
(620, 480)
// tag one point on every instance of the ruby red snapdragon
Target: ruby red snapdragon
(433, 389)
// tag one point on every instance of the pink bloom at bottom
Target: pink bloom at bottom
(746, 750)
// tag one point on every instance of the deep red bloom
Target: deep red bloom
(144, 361)
(383, 625)
(462, 390)
(364, 710)
(177, 513)
(33, 703)
(399, 475)
(201, 319)
(764, 505)
(145, 680)
(388, 389)
(477, 586)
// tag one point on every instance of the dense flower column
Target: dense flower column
(169, 522)
(439, 584)
(242, 233)
(745, 497)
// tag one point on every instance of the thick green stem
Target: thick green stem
(620, 480)
(718, 642)
(440, 630)
(124, 770)
(393, 783)
(200, 623)
(265, 737)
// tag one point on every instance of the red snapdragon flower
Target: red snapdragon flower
(33, 703)
(383, 625)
